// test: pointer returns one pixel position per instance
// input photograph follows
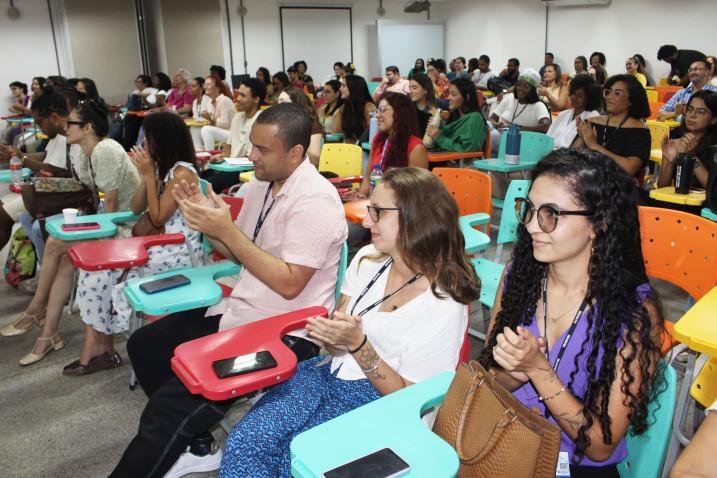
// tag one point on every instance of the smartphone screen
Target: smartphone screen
(383, 463)
(244, 364)
(80, 226)
(165, 283)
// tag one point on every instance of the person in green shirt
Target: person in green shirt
(466, 128)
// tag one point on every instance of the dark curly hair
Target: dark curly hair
(639, 106)
(405, 125)
(168, 140)
(615, 271)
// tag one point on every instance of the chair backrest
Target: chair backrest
(343, 264)
(204, 186)
(533, 146)
(657, 132)
(655, 109)
(680, 248)
(470, 188)
(341, 159)
(508, 231)
(489, 273)
(651, 95)
(646, 453)
(665, 92)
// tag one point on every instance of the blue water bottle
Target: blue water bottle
(512, 145)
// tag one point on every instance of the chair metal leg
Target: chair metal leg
(678, 439)
(134, 323)
(498, 253)
(476, 334)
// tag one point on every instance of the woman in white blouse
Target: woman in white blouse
(586, 99)
(401, 319)
(219, 113)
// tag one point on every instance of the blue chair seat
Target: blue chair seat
(397, 417)
(202, 292)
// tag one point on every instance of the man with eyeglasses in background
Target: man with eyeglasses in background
(699, 74)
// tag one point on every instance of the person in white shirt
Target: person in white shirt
(483, 73)
(586, 98)
(144, 88)
(523, 108)
(219, 113)
(401, 319)
(199, 105)
(391, 82)
(250, 96)
(50, 112)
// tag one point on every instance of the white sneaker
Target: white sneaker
(188, 462)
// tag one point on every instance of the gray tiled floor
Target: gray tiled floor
(58, 426)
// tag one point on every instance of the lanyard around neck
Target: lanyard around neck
(384, 298)
(515, 112)
(571, 330)
(262, 214)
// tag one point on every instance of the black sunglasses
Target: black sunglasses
(547, 215)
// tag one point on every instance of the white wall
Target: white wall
(621, 29)
(263, 35)
(626, 27)
(27, 47)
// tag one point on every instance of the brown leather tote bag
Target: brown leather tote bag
(494, 434)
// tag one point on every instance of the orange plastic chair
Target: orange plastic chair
(655, 109)
(679, 248)
(470, 188)
(664, 93)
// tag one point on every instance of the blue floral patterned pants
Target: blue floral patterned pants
(258, 446)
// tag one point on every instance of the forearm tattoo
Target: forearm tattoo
(369, 361)
(574, 421)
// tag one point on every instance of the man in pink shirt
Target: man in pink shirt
(391, 82)
(288, 238)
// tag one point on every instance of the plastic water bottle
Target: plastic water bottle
(372, 127)
(16, 172)
(512, 145)
(375, 178)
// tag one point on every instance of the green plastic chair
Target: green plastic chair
(647, 452)
(533, 147)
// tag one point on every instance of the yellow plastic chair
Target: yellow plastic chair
(651, 95)
(657, 132)
(704, 389)
(341, 159)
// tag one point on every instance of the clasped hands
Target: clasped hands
(520, 353)
(342, 330)
(208, 215)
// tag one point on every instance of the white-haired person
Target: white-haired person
(180, 98)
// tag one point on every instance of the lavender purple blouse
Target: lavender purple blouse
(528, 396)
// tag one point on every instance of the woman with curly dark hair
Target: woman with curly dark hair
(576, 330)
(356, 111)
(396, 144)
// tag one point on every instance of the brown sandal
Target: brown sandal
(101, 362)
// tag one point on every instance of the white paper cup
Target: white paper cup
(70, 215)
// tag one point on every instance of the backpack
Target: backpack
(21, 261)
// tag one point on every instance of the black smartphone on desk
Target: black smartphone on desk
(244, 364)
(383, 463)
(165, 283)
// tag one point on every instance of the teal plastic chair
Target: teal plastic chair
(343, 265)
(107, 221)
(398, 416)
(475, 241)
(489, 273)
(372, 85)
(508, 229)
(6, 175)
(707, 212)
(647, 452)
(533, 147)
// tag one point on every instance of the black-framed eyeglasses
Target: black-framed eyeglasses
(374, 212)
(77, 122)
(547, 215)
